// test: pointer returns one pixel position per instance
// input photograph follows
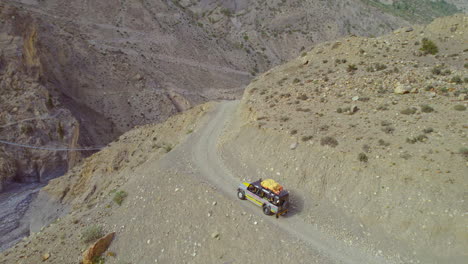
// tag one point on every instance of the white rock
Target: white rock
(402, 89)
(293, 146)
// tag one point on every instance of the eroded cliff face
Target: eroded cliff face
(29, 113)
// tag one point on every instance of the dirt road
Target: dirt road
(203, 160)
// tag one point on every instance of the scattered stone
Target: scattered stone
(293, 146)
(215, 235)
(46, 256)
(97, 248)
(215, 203)
(354, 109)
(137, 77)
(409, 29)
(402, 89)
(355, 98)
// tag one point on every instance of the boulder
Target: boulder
(402, 89)
(97, 248)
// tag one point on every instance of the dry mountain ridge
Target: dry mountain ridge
(374, 128)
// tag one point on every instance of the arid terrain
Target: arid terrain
(368, 134)
(154, 112)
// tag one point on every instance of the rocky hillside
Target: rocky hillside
(419, 11)
(29, 113)
(118, 65)
(374, 128)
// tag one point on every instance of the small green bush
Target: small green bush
(408, 111)
(420, 138)
(168, 148)
(92, 233)
(306, 138)
(460, 107)
(98, 260)
(437, 70)
(388, 129)
(351, 68)
(466, 65)
(383, 143)
(456, 79)
(428, 130)
(119, 197)
(383, 107)
(429, 47)
(464, 152)
(443, 89)
(362, 157)
(296, 80)
(329, 141)
(385, 123)
(427, 109)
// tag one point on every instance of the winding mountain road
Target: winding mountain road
(200, 155)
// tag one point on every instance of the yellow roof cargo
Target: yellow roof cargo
(272, 186)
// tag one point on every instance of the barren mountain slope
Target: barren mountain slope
(29, 114)
(120, 64)
(117, 64)
(372, 128)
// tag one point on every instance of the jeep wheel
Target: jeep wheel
(241, 195)
(266, 210)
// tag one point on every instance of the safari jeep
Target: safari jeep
(272, 201)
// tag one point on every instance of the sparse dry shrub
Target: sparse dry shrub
(329, 141)
(383, 143)
(362, 157)
(428, 130)
(459, 107)
(351, 68)
(456, 79)
(92, 233)
(464, 152)
(426, 108)
(408, 111)
(383, 107)
(388, 129)
(420, 138)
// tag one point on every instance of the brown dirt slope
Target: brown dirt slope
(332, 126)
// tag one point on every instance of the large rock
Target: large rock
(402, 89)
(97, 248)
